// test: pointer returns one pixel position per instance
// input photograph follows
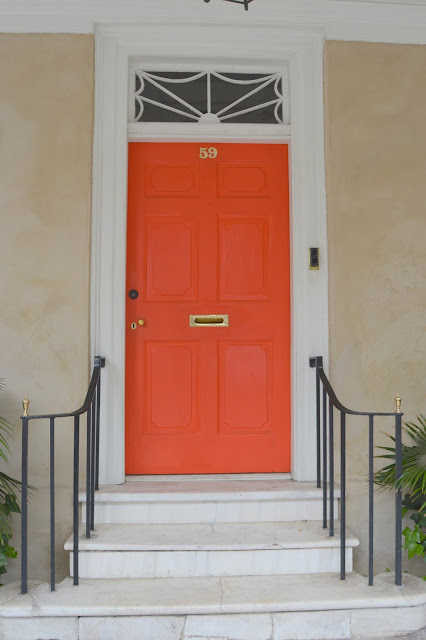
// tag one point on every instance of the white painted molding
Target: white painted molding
(181, 132)
(108, 250)
(302, 52)
(402, 21)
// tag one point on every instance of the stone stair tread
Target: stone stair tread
(208, 491)
(210, 537)
(180, 596)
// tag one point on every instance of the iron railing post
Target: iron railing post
(370, 499)
(88, 470)
(92, 410)
(52, 504)
(343, 495)
(314, 362)
(75, 497)
(24, 508)
(318, 397)
(324, 461)
(331, 463)
(99, 362)
(398, 500)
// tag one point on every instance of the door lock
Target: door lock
(134, 325)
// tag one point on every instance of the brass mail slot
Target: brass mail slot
(209, 321)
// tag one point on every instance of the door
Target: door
(208, 235)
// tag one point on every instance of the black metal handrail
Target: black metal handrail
(91, 407)
(325, 441)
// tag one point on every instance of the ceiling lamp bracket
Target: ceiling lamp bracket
(243, 2)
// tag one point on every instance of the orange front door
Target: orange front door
(208, 236)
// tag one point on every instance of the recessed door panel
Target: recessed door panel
(208, 366)
(171, 179)
(171, 258)
(171, 383)
(244, 258)
(245, 376)
(243, 179)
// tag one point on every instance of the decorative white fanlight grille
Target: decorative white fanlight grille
(210, 97)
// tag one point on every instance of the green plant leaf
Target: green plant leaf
(10, 490)
(10, 552)
(12, 503)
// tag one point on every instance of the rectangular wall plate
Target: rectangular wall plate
(313, 259)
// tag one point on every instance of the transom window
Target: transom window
(210, 97)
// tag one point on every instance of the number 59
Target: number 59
(208, 152)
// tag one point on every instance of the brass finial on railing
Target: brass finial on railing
(25, 404)
(398, 401)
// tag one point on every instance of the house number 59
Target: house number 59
(208, 152)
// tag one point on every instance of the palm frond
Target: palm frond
(5, 426)
(8, 484)
(10, 490)
(5, 432)
(5, 523)
(413, 476)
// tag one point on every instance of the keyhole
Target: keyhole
(133, 325)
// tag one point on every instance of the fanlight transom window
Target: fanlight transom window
(210, 97)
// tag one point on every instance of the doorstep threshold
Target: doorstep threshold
(215, 490)
(208, 476)
(207, 491)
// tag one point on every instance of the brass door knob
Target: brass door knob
(141, 323)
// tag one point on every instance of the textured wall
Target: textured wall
(46, 124)
(375, 131)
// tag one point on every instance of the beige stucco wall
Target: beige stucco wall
(375, 132)
(46, 124)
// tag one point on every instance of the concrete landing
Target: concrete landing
(309, 607)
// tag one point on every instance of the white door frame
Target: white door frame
(116, 45)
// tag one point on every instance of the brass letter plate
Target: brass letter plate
(209, 321)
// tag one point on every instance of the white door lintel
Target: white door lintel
(301, 50)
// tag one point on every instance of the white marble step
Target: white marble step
(242, 608)
(208, 501)
(182, 550)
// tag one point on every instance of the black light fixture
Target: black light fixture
(244, 2)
